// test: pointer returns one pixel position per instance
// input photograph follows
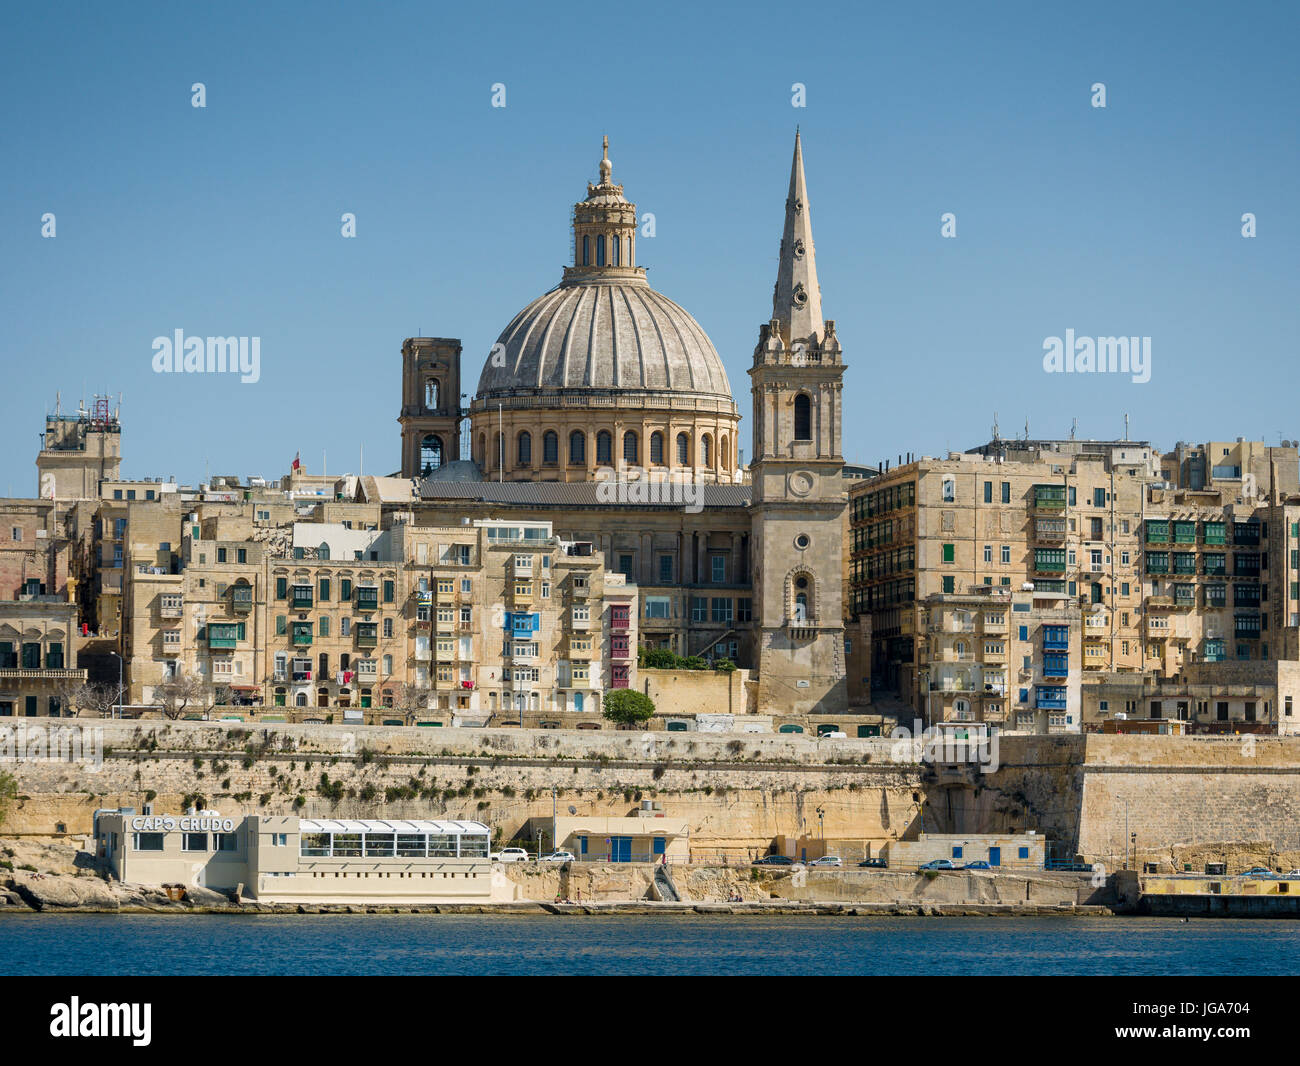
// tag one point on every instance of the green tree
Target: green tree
(626, 706)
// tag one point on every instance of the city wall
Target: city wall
(1186, 799)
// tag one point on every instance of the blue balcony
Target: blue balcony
(1051, 699)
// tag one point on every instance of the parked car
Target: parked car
(774, 860)
(874, 864)
(1258, 871)
(937, 864)
(558, 856)
(512, 855)
(1292, 873)
(980, 865)
(827, 860)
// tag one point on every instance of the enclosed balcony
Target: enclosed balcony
(1050, 529)
(223, 635)
(300, 597)
(366, 598)
(367, 634)
(301, 634)
(1049, 497)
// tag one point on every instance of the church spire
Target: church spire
(797, 301)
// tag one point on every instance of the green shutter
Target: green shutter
(388, 592)
(281, 587)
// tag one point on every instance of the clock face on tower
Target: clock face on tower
(800, 483)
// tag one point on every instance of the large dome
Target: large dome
(605, 333)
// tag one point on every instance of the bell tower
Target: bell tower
(798, 499)
(431, 414)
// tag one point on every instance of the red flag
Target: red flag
(297, 461)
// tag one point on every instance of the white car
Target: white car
(511, 855)
(827, 860)
(558, 856)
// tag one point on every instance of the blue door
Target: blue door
(620, 849)
(577, 701)
(995, 856)
(661, 845)
(582, 847)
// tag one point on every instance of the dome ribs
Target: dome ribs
(606, 336)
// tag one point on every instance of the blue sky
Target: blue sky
(225, 220)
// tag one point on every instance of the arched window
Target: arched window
(524, 450)
(629, 446)
(300, 700)
(586, 251)
(802, 417)
(614, 245)
(600, 250)
(683, 450)
(550, 447)
(706, 451)
(604, 447)
(801, 606)
(430, 454)
(577, 448)
(482, 449)
(657, 448)
(724, 446)
(498, 455)
(431, 394)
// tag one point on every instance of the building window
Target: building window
(604, 447)
(577, 448)
(802, 417)
(683, 449)
(657, 448)
(665, 569)
(949, 490)
(706, 451)
(600, 250)
(550, 448)
(629, 447)
(524, 449)
(719, 569)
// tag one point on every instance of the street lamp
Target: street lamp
(821, 826)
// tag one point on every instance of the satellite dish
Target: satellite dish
(573, 809)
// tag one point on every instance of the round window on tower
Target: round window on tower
(801, 583)
(802, 541)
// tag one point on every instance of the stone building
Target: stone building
(1160, 577)
(38, 656)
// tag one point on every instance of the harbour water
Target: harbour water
(725, 945)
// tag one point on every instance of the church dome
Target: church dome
(603, 371)
(604, 333)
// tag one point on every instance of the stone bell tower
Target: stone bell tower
(798, 490)
(431, 414)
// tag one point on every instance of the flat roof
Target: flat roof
(449, 828)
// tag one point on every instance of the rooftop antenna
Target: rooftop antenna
(1126, 425)
(1026, 427)
(1074, 426)
(995, 426)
